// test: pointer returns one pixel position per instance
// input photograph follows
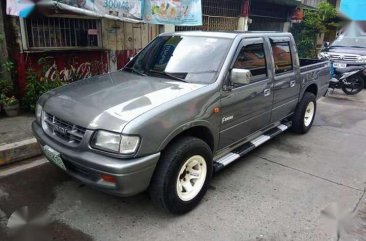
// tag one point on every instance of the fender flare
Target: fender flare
(185, 127)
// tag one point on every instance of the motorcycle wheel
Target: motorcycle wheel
(356, 85)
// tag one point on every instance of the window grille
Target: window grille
(213, 23)
(218, 15)
(55, 32)
(228, 8)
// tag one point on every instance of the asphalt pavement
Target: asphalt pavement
(294, 187)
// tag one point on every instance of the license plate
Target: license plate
(54, 157)
(340, 65)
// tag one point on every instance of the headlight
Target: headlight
(39, 112)
(361, 59)
(323, 55)
(113, 142)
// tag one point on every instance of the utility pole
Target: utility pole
(3, 45)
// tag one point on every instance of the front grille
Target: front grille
(63, 130)
(344, 57)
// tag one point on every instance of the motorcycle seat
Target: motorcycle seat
(349, 69)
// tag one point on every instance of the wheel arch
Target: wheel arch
(200, 130)
(312, 88)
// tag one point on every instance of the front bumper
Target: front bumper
(132, 175)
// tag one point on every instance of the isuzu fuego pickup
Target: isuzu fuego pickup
(186, 106)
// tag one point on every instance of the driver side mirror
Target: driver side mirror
(240, 76)
(326, 45)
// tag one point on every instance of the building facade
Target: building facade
(68, 46)
(243, 15)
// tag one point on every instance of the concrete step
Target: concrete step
(18, 151)
(22, 166)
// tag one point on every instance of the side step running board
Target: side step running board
(249, 146)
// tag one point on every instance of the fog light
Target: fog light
(108, 178)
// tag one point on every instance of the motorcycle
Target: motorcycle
(349, 79)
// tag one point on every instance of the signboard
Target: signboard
(92, 31)
(21, 8)
(117, 8)
(353, 9)
(177, 12)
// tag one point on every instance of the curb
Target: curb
(19, 151)
(22, 166)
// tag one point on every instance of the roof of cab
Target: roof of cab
(230, 35)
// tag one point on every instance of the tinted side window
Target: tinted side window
(282, 57)
(252, 57)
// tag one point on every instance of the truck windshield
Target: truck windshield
(182, 58)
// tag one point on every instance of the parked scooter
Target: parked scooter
(349, 79)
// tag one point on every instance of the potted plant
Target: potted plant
(6, 89)
(1, 101)
(11, 106)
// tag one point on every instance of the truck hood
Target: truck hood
(110, 101)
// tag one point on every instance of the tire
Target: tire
(301, 123)
(164, 187)
(358, 84)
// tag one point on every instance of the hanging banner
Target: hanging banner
(21, 8)
(177, 12)
(355, 10)
(117, 8)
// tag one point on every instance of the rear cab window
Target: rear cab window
(282, 56)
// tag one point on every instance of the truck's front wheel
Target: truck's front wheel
(182, 176)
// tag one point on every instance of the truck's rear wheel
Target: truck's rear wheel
(304, 115)
(182, 176)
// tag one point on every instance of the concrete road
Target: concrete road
(278, 192)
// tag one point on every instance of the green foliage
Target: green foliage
(8, 101)
(315, 22)
(8, 66)
(6, 87)
(36, 86)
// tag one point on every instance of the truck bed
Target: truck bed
(310, 64)
(314, 70)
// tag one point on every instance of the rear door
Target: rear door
(247, 108)
(286, 77)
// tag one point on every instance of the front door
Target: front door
(247, 108)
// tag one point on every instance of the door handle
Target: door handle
(292, 83)
(267, 92)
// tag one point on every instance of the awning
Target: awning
(61, 6)
(293, 3)
(304, 6)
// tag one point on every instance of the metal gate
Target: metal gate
(213, 23)
(218, 15)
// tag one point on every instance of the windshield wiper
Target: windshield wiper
(167, 74)
(135, 71)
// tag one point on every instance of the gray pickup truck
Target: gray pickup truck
(186, 106)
